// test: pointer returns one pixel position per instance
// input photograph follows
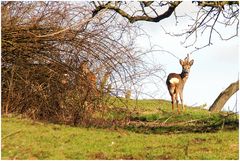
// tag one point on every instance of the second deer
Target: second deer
(175, 82)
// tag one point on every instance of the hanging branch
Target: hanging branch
(144, 17)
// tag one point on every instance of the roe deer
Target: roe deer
(89, 79)
(175, 82)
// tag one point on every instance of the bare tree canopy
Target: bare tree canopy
(209, 14)
(116, 6)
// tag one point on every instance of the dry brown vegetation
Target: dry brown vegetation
(62, 65)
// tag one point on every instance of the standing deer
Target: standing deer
(88, 79)
(175, 82)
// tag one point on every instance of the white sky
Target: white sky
(214, 69)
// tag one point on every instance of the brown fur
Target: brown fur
(176, 89)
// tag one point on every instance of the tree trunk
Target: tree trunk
(224, 97)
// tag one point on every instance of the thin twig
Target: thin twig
(167, 119)
(210, 35)
(14, 133)
(82, 23)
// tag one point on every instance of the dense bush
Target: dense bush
(59, 64)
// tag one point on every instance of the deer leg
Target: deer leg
(173, 100)
(176, 98)
(172, 93)
(181, 98)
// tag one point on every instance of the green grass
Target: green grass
(35, 140)
(156, 116)
(143, 104)
(202, 135)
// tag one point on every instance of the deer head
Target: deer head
(186, 65)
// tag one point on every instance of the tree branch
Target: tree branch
(133, 19)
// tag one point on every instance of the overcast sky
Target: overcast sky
(214, 69)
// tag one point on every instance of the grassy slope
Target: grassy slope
(37, 140)
(149, 116)
(47, 141)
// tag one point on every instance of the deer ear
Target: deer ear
(191, 62)
(181, 62)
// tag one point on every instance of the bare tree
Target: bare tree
(209, 15)
(140, 13)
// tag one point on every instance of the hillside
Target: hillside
(153, 132)
(156, 116)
